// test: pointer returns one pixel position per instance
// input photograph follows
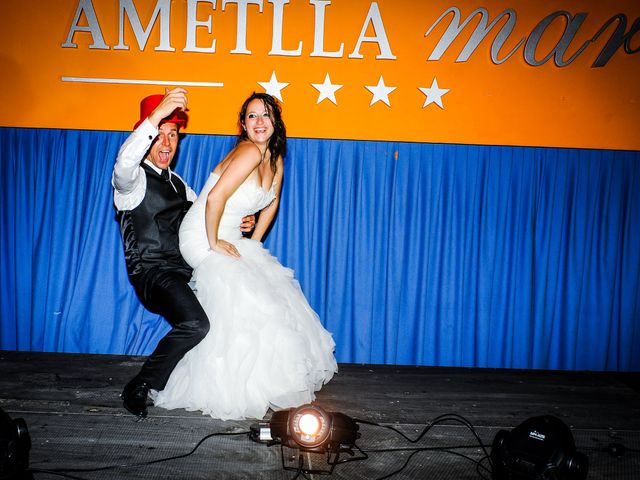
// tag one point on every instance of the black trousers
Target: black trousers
(168, 294)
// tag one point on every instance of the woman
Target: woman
(266, 347)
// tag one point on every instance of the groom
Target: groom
(151, 202)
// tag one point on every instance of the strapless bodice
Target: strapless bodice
(248, 199)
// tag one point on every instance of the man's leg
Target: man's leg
(171, 297)
(168, 294)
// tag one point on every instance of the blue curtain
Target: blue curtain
(419, 254)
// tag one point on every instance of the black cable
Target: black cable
(433, 423)
(353, 458)
(418, 450)
(440, 419)
(447, 449)
(300, 470)
(141, 464)
(64, 472)
(479, 466)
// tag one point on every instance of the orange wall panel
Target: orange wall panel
(521, 101)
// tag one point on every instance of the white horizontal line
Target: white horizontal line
(132, 81)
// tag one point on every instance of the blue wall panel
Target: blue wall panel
(419, 254)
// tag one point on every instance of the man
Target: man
(151, 202)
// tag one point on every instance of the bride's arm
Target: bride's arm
(268, 213)
(243, 161)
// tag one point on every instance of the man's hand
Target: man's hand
(248, 223)
(176, 98)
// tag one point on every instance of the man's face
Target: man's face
(164, 146)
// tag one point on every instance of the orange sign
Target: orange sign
(559, 73)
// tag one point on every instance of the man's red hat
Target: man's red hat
(148, 104)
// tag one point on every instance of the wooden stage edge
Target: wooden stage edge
(71, 405)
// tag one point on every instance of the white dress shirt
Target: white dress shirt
(129, 180)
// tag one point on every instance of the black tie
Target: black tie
(165, 174)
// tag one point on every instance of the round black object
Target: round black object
(15, 444)
(540, 448)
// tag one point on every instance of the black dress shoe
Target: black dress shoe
(134, 397)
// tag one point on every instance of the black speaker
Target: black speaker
(540, 448)
(15, 444)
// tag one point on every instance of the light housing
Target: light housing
(540, 448)
(334, 431)
(15, 444)
(312, 430)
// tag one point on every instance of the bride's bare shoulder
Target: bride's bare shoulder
(247, 147)
(245, 151)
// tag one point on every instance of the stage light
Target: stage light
(15, 444)
(540, 448)
(307, 427)
(313, 430)
(310, 428)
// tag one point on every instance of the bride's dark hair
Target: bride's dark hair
(278, 141)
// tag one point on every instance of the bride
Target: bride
(266, 347)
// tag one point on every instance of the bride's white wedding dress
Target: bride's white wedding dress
(266, 347)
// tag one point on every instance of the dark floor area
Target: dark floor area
(71, 407)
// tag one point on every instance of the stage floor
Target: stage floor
(72, 409)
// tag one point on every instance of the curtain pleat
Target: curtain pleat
(418, 254)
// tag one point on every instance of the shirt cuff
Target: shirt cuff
(146, 129)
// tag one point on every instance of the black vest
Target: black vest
(150, 230)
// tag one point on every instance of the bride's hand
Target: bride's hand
(226, 248)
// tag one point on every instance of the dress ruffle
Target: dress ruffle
(266, 347)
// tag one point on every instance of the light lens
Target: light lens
(309, 424)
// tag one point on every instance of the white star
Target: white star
(273, 86)
(327, 90)
(434, 94)
(380, 92)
